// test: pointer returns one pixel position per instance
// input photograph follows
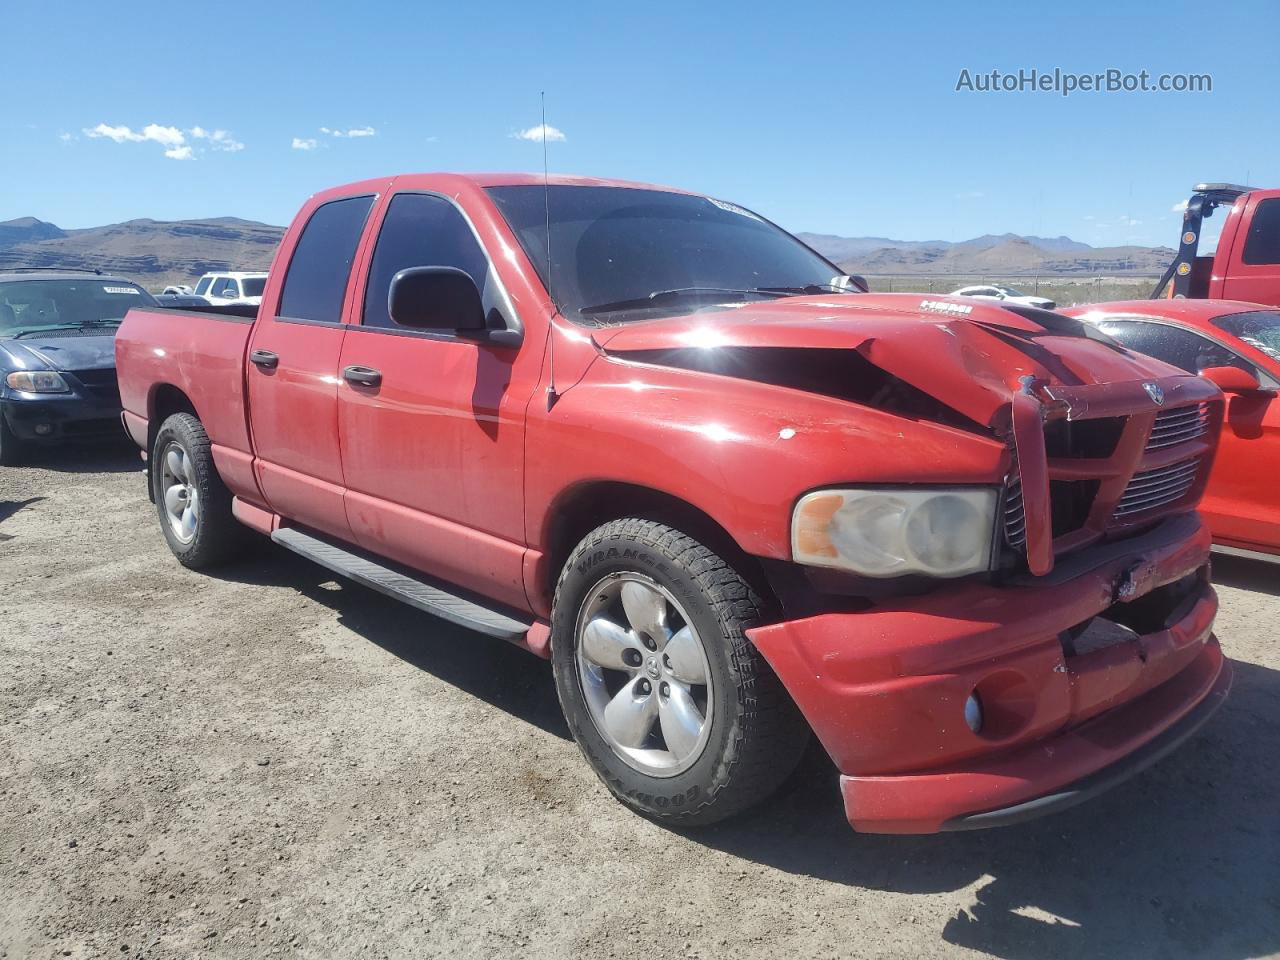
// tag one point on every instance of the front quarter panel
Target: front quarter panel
(742, 452)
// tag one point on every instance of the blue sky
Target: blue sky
(839, 118)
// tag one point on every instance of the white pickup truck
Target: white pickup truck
(220, 289)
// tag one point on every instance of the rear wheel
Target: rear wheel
(193, 503)
(672, 705)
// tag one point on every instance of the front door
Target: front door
(293, 367)
(431, 424)
(1253, 274)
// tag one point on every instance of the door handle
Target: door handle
(265, 359)
(364, 376)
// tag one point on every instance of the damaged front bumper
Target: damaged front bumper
(1067, 709)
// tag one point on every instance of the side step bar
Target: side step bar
(410, 589)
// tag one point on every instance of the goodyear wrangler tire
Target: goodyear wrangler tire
(673, 707)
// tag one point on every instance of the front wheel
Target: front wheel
(674, 708)
(193, 503)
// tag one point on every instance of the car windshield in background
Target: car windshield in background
(35, 306)
(253, 286)
(1259, 328)
(1011, 292)
(622, 253)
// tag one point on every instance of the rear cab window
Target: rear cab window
(320, 267)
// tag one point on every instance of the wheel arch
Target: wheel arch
(164, 401)
(587, 506)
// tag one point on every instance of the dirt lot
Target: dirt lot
(272, 763)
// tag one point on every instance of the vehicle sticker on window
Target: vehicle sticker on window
(733, 208)
(132, 291)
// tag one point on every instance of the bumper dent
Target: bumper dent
(884, 690)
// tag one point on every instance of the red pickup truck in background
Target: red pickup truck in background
(1246, 263)
(735, 500)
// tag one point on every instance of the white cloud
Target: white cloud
(352, 132)
(1180, 206)
(173, 139)
(299, 143)
(218, 139)
(542, 131)
(66, 137)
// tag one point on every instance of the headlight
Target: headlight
(942, 532)
(37, 381)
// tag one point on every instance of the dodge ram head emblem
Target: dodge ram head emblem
(1155, 392)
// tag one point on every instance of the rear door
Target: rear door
(293, 368)
(433, 452)
(1253, 274)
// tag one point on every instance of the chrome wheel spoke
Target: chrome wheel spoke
(187, 524)
(604, 643)
(684, 657)
(680, 721)
(646, 610)
(629, 716)
(175, 500)
(173, 463)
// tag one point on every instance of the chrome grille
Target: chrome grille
(1015, 519)
(1156, 488)
(1178, 426)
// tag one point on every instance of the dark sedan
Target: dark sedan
(57, 357)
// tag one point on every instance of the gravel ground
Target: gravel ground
(268, 762)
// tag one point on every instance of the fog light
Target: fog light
(973, 713)
(44, 429)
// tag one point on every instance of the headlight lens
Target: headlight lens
(942, 532)
(37, 381)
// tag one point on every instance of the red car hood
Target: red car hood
(971, 355)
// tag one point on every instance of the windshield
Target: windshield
(253, 286)
(36, 305)
(621, 253)
(1259, 328)
(1011, 292)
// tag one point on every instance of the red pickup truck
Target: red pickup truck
(733, 497)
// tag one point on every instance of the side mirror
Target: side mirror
(1232, 380)
(435, 298)
(845, 281)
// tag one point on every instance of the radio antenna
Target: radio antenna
(552, 395)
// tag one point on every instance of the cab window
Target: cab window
(420, 230)
(320, 266)
(1263, 243)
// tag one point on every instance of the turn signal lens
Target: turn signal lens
(942, 532)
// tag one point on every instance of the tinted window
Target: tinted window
(1182, 348)
(614, 247)
(321, 262)
(203, 285)
(1263, 243)
(225, 287)
(253, 286)
(419, 231)
(1258, 328)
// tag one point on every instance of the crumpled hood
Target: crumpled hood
(60, 353)
(968, 355)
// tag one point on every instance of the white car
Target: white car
(220, 289)
(177, 290)
(992, 291)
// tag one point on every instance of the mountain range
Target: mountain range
(157, 253)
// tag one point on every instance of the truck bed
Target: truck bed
(200, 354)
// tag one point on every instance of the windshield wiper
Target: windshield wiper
(810, 288)
(20, 332)
(652, 299)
